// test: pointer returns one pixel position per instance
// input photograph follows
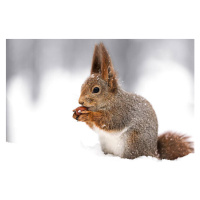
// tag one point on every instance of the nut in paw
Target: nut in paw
(78, 111)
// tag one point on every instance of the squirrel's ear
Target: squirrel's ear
(96, 61)
(107, 71)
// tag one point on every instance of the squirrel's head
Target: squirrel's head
(101, 86)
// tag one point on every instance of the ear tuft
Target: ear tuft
(102, 65)
(107, 71)
(96, 61)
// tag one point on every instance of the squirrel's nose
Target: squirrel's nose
(81, 101)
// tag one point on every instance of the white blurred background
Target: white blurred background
(44, 78)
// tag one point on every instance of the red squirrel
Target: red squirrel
(125, 122)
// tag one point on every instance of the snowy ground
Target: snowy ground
(55, 157)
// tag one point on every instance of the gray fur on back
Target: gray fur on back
(135, 113)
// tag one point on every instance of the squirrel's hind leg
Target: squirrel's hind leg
(136, 146)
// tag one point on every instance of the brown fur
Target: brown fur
(98, 119)
(96, 61)
(172, 146)
(113, 110)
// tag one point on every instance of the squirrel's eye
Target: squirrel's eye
(95, 90)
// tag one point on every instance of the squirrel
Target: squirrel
(125, 122)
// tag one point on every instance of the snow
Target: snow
(55, 157)
(92, 76)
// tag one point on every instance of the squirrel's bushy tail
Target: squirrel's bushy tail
(172, 146)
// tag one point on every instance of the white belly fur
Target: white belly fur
(112, 142)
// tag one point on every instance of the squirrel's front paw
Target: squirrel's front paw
(78, 111)
(75, 116)
(84, 116)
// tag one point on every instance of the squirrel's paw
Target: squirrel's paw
(75, 116)
(85, 116)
